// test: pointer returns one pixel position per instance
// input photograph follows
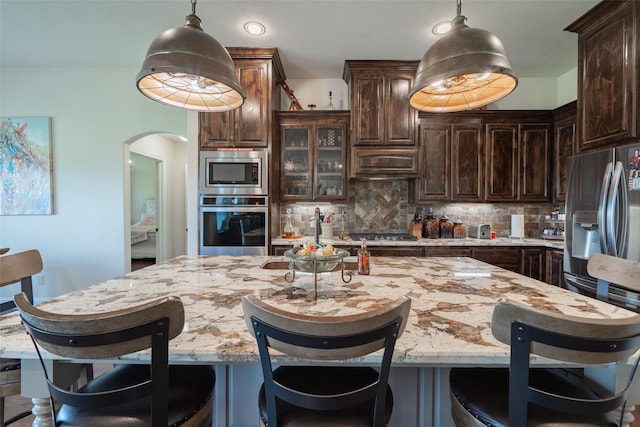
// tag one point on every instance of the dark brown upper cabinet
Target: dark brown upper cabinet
(434, 163)
(379, 102)
(383, 124)
(494, 156)
(502, 162)
(535, 162)
(451, 160)
(467, 159)
(608, 74)
(564, 140)
(260, 73)
(518, 161)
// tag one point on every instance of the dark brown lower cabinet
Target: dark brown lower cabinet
(533, 263)
(448, 251)
(505, 257)
(555, 267)
(279, 250)
(395, 251)
(536, 262)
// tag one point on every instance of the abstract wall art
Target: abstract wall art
(26, 167)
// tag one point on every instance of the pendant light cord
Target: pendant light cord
(193, 6)
(458, 4)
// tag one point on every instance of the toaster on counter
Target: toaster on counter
(484, 231)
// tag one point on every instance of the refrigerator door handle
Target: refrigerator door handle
(615, 230)
(602, 208)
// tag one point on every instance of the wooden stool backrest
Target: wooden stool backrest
(508, 311)
(619, 271)
(15, 267)
(100, 324)
(325, 326)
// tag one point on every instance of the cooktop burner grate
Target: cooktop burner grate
(383, 236)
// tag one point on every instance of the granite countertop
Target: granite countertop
(500, 241)
(449, 323)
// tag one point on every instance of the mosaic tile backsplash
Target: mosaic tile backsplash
(383, 206)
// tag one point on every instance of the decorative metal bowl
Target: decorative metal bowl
(324, 263)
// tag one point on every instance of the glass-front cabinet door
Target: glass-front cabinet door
(313, 155)
(330, 182)
(297, 156)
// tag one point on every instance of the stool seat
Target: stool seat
(530, 396)
(136, 394)
(312, 395)
(190, 390)
(484, 393)
(319, 380)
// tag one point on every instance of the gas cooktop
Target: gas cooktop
(383, 236)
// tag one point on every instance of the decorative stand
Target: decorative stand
(290, 276)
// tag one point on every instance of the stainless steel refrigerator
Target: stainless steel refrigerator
(602, 215)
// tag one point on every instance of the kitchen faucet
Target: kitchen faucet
(317, 230)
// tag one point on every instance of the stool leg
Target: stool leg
(2, 411)
(42, 412)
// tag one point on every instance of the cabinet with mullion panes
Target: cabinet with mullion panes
(296, 163)
(313, 155)
(330, 182)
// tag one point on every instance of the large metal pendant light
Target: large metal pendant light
(467, 68)
(187, 68)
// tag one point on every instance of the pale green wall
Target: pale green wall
(568, 87)
(93, 112)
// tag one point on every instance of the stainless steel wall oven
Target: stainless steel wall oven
(234, 225)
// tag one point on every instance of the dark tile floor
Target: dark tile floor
(137, 264)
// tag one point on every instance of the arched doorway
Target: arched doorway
(155, 214)
(145, 185)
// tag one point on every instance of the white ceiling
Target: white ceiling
(314, 37)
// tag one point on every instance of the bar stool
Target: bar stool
(18, 267)
(623, 273)
(154, 394)
(523, 396)
(312, 396)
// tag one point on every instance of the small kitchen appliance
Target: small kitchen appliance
(234, 172)
(484, 231)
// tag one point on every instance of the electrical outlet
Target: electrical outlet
(38, 279)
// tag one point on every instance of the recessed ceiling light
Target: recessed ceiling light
(254, 28)
(441, 28)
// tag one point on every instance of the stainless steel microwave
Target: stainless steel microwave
(230, 172)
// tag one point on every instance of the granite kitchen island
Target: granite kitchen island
(449, 323)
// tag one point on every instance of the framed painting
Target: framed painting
(26, 166)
